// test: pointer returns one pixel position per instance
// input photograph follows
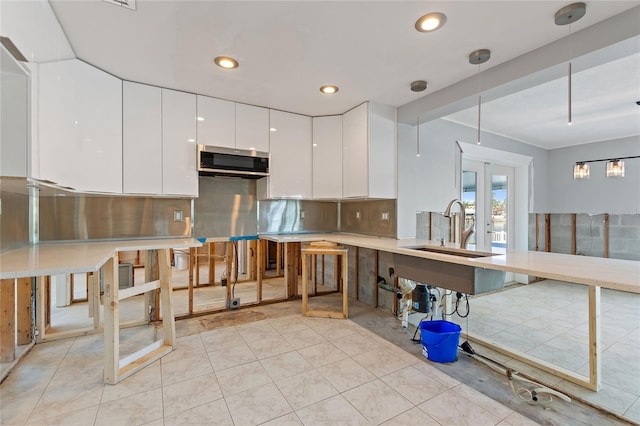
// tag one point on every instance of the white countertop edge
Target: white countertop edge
(76, 257)
(615, 274)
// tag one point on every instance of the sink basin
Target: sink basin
(461, 278)
(453, 252)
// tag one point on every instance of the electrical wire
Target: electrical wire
(456, 310)
(234, 245)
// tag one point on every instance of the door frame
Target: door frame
(522, 188)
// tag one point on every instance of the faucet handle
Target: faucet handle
(441, 242)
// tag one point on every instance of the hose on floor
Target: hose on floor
(538, 395)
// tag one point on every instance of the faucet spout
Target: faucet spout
(465, 234)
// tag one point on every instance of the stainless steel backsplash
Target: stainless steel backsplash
(85, 217)
(14, 220)
(226, 207)
(366, 217)
(297, 216)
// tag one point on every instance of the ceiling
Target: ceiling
(603, 108)
(370, 49)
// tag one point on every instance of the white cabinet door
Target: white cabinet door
(252, 128)
(327, 157)
(355, 152)
(216, 122)
(141, 139)
(382, 151)
(14, 116)
(80, 116)
(179, 175)
(290, 163)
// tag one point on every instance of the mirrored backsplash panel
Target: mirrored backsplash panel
(85, 217)
(433, 226)
(297, 216)
(369, 217)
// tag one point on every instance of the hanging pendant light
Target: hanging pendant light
(569, 97)
(417, 87)
(479, 107)
(581, 171)
(567, 16)
(479, 57)
(615, 168)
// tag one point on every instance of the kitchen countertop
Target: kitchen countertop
(76, 257)
(614, 274)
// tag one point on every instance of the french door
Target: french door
(487, 193)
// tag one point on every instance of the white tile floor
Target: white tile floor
(282, 371)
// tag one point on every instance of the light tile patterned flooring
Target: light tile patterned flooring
(290, 370)
(549, 320)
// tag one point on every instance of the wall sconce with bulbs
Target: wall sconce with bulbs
(615, 167)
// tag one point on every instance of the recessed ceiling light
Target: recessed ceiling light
(272, 129)
(329, 89)
(226, 62)
(200, 118)
(431, 22)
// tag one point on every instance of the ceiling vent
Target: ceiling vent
(129, 4)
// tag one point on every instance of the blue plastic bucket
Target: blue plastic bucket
(440, 340)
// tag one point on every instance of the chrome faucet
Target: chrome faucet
(465, 234)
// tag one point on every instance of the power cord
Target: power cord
(235, 272)
(456, 310)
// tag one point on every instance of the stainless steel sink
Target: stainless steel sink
(453, 252)
(451, 276)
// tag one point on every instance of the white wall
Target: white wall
(34, 29)
(428, 182)
(598, 194)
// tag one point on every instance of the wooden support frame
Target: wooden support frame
(278, 259)
(356, 284)
(116, 369)
(253, 260)
(7, 320)
(593, 381)
(375, 278)
(93, 294)
(151, 273)
(337, 252)
(212, 263)
(260, 245)
(291, 260)
(24, 311)
(547, 232)
(229, 263)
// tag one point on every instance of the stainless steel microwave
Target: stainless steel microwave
(217, 161)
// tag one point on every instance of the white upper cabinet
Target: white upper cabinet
(327, 153)
(80, 126)
(369, 152)
(14, 116)
(355, 152)
(179, 174)
(290, 158)
(252, 128)
(141, 139)
(216, 122)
